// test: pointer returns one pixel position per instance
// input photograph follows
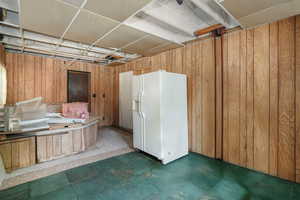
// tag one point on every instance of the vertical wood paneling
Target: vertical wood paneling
(33, 76)
(18, 153)
(219, 97)
(93, 91)
(55, 81)
(273, 98)
(250, 100)
(107, 98)
(15, 155)
(5, 152)
(38, 76)
(101, 92)
(208, 114)
(188, 68)
(67, 144)
(116, 96)
(50, 147)
(20, 77)
(29, 76)
(49, 80)
(24, 154)
(261, 98)
(259, 84)
(197, 109)
(286, 147)
(233, 98)
(15, 76)
(243, 98)
(77, 140)
(63, 76)
(298, 97)
(116, 100)
(57, 148)
(225, 99)
(44, 74)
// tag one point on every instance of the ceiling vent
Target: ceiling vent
(179, 2)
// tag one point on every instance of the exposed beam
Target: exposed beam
(69, 46)
(17, 47)
(23, 40)
(208, 29)
(11, 5)
(216, 12)
(123, 22)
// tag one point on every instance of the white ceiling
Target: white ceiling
(97, 28)
(118, 10)
(89, 27)
(256, 12)
(92, 29)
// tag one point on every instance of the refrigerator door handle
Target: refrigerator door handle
(133, 106)
(142, 115)
(136, 106)
(140, 106)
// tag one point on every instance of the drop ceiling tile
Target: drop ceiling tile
(242, 8)
(120, 37)
(89, 27)
(144, 45)
(116, 9)
(76, 3)
(49, 17)
(256, 12)
(272, 14)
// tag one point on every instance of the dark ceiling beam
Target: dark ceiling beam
(208, 29)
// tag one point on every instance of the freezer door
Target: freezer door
(136, 113)
(150, 111)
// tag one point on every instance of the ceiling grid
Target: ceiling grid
(73, 19)
(94, 29)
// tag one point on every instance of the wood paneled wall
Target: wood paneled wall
(297, 120)
(243, 95)
(259, 98)
(33, 76)
(18, 153)
(197, 61)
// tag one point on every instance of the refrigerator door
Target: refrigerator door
(136, 113)
(150, 111)
(174, 116)
(125, 100)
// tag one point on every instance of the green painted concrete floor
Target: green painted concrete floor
(137, 176)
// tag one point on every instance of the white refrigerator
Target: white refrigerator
(125, 99)
(160, 126)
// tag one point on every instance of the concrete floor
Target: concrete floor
(137, 176)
